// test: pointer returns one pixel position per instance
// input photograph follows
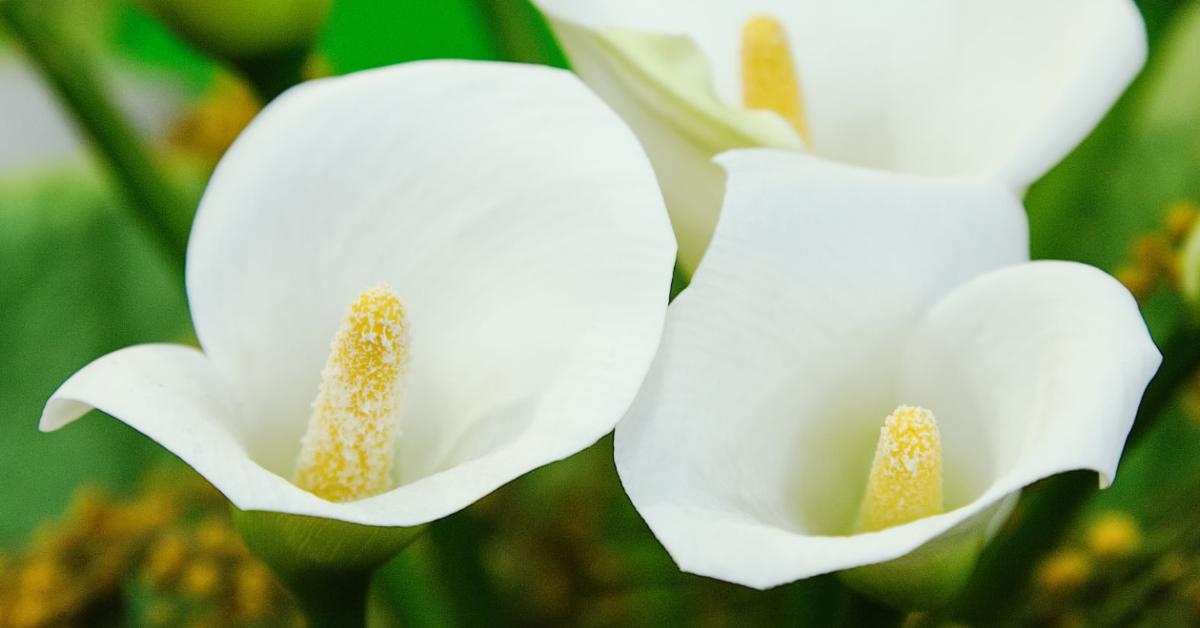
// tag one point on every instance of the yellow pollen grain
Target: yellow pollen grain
(905, 483)
(347, 451)
(769, 80)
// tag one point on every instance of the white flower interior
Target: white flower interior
(822, 461)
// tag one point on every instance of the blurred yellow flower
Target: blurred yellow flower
(1063, 572)
(1113, 535)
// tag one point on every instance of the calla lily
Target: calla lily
(832, 297)
(1000, 88)
(511, 291)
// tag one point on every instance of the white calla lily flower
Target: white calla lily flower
(832, 297)
(997, 88)
(506, 292)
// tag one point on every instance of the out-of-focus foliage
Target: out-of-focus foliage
(168, 556)
(78, 281)
(1142, 159)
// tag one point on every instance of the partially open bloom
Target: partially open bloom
(411, 285)
(995, 88)
(866, 368)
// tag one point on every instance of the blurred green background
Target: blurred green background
(562, 545)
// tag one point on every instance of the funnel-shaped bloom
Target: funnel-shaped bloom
(435, 276)
(787, 428)
(995, 88)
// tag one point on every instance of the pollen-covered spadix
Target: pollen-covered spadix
(905, 483)
(348, 448)
(769, 80)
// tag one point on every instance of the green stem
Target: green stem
(327, 563)
(817, 601)
(155, 204)
(458, 557)
(336, 601)
(519, 33)
(863, 611)
(1050, 506)
(409, 583)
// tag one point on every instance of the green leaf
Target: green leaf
(365, 34)
(78, 282)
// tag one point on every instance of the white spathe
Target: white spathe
(831, 295)
(994, 88)
(534, 273)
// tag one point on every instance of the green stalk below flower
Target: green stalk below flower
(327, 564)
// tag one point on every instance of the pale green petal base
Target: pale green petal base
(931, 575)
(927, 578)
(326, 563)
(670, 76)
(297, 544)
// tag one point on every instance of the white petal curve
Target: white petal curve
(1044, 362)
(663, 89)
(1003, 88)
(172, 394)
(512, 212)
(1112, 52)
(755, 429)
